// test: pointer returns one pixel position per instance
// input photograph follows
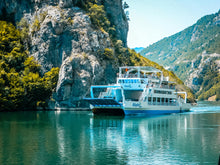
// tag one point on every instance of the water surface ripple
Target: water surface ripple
(81, 138)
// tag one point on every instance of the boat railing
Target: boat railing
(167, 86)
(102, 91)
(161, 86)
(136, 76)
(129, 76)
(102, 94)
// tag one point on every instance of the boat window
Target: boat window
(162, 100)
(170, 100)
(135, 80)
(163, 92)
(122, 81)
(154, 100)
(158, 100)
(149, 100)
(119, 81)
(132, 81)
(132, 95)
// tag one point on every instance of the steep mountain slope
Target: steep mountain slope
(86, 39)
(190, 52)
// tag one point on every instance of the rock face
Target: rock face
(198, 67)
(62, 35)
(118, 18)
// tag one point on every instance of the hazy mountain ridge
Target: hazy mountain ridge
(190, 52)
(138, 49)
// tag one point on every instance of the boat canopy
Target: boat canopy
(138, 69)
(145, 69)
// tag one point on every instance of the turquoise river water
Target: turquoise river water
(70, 137)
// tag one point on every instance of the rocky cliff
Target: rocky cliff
(59, 33)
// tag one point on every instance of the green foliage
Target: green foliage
(108, 54)
(9, 37)
(24, 29)
(85, 4)
(51, 78)
(98, 16)
(125, 5)
(126, 15)
(43, 16)
(35, 26)
(21, 86)
(32, 65)
(209, 88)
(85, 56)
(70, 21)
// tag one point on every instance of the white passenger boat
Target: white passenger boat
(138, 90)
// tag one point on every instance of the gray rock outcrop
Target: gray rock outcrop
(198, 66)
(62, 35)
(118, 18)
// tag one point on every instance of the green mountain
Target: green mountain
(192, 54)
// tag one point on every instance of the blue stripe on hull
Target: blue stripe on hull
(150, 112)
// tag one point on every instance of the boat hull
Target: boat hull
(150, 112)
(108, 111)
(131, 107)
(153, 110)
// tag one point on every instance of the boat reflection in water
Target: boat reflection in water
(152, 139)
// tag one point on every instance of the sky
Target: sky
(152, 20)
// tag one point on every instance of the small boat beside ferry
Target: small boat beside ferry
(138, 90)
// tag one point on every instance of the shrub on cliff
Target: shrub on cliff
(21, 86)
(108, 54)
(98, 17)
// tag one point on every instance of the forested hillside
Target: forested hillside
(190, 52)
(21, 85)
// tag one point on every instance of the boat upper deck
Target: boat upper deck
(137, 71)
(137, 76)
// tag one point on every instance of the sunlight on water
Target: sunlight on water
(206, 107)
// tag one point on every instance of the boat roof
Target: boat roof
(145, 69)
